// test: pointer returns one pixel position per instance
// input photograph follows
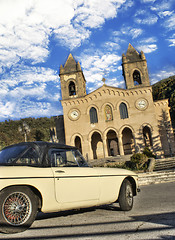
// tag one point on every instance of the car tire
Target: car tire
(126, 196)
(18, 209)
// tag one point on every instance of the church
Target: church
(112, 121)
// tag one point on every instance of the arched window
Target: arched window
(108, 113)
(123, 111)
(93, 115)
(72, 90)
(137, 78)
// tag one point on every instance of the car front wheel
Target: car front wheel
(18, 209)
(126, 196)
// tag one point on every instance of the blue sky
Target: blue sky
(36, 37)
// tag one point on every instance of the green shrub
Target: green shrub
(148, 153)
(138, 161)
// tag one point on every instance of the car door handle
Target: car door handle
(60, 171)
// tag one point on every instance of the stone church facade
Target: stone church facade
(111, 121)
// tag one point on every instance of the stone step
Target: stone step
(113, 159)
(161, 164)
(156, 177)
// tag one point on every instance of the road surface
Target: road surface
(152, 217)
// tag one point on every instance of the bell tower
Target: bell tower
(135, 69)
(73, 83)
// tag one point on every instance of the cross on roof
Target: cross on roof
(103, 80)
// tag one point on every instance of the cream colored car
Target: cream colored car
(49, 177)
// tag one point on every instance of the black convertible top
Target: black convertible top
(41, 147)
(42, 144)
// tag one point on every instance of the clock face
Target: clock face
(74, 114)
(141, 104)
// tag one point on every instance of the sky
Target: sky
(36, 37)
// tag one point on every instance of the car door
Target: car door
(75, 184)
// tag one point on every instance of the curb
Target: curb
(156, 177)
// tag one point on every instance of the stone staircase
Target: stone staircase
(158, 165)
(117, 159)
(156, 177)
(164, 169)
(166, 163)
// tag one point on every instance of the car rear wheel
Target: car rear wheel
(18, 209)
(126, 196)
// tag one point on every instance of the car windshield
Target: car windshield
(80, 159)
(67, 158)
(9, 155)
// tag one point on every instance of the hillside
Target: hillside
(166, 89)
(39, 130)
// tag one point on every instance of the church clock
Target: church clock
(141, 104)
(74, 114)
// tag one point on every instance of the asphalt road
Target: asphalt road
(152, 217)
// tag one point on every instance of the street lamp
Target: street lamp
(24, 129)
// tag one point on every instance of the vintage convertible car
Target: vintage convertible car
(49, 177)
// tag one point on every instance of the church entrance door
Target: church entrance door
(128, 141)
(97, 146)
(147, 137)
(112, 142)
(78, 143)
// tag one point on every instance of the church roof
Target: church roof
(132, 55)
(108, 91)
(70, 66)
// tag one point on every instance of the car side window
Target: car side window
(62, 158)
(29, 158)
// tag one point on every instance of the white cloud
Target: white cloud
(92, 13)
(111, 46)
(22, 85)
(162, 74)
(70, 36)
(97, 66)
(6, 109)
(147, 48)
(148, 1)
(19, 36)
(133, 32)
(29, 75)
(147, 45)
(27, 108)
(148, 40)
(172, 41)
(88, 14)
(37, 92)
(148, 20)
(165, 14)
(162, 5)
(145, 17)
(26, 25)
(115, 82)
(128, 4)
(169, 23)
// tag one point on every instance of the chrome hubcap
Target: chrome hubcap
(17, 208)
(129, 195)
